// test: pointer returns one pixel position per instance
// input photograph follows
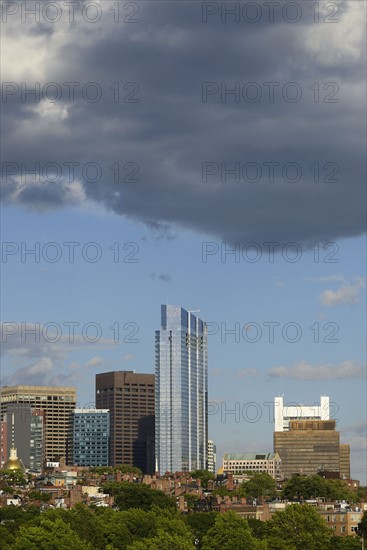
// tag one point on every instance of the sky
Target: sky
(182, 154)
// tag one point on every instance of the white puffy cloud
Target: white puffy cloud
(345, 294)
(321, 371)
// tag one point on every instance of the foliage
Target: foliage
(49, 535)
(257, 527)
(308, 487)
(200, 523)
(231, 532)
(297, 528)
(204, 476)
(132, 495)
(12, 477)
(362, 525)
(345, 543)
(38, 495)
(164, 541)
(259, 486)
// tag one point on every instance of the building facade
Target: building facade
(238, 463)
(283, 414)
(3, 443)
(57, 404)
(181, 391)
(308, 447)
(212, 457)
(130, 398)
(344, 461)
(90, 437)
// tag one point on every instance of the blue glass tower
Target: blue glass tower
(181, 391)
(90, 441)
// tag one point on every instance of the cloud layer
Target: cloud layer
(169, 133)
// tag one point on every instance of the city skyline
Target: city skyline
(177, 152)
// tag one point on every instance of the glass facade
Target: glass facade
(91, 431)
(181, 391)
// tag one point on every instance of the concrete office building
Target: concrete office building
(90, 439)
(3, 443)
(283, 414)
(344, 461)
(181, 391)
(130, 398)
(212, 457)
(238, 463)
(24, 429)
(57, 404)
(308, 446)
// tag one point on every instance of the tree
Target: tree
(163, 541)
(200, 523)
(259, 486)
(231, 532)
(296, 528)
(345, 543)
(315, 486)
(204, 476)
(131, 495)
(49, 535)
(362, 526)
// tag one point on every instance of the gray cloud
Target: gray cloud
(170, 132)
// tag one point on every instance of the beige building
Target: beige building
(57, 403)
(237, 463)
(344, 523)
(308, 446)
(344, 461)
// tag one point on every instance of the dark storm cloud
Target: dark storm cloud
(170, 132)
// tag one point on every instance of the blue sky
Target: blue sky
(241, 371)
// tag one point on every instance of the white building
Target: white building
(212, 456)
(238, 463)
(293, 411)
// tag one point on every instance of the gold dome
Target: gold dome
(14, 463)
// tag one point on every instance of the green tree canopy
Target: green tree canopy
(200, 523)
(163, 541)
(49, 535)
(315, 486)
(204, 476)
(231, 532)
(259, 486)
(133, 495)
(298, 527)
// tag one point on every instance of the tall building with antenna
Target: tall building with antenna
(181, 391)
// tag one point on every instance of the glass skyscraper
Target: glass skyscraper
(90, 439)
(181, 391)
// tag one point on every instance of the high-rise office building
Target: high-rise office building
(90, 439)
(57, 403)
(181, 391)
(212, 457)
(283, 414)
(309, 446)
(130, 399)
(25, 430)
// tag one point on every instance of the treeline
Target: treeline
(149, 520)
